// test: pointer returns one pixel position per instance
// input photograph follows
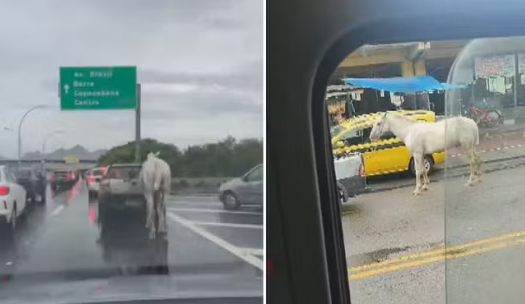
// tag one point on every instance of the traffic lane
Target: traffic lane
(496, 277)
(493, 276)
(29, 226)
(215, 215)
(241, 228)
(422, 285)
(397, 221)
(385, 226)
(68, 249)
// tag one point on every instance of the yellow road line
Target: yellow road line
(435, 259)
(439, 251)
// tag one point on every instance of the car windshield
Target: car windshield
(173, 86)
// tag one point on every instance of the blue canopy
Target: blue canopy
(423, 83)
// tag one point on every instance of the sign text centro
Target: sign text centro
(98, 88)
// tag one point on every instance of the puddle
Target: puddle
(388, 253)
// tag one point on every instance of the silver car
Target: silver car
(246, 190)
(93, 181)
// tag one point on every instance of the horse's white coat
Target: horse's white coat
(155, 176)
(424, 138)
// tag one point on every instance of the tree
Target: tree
(126, 153)
(226, 158)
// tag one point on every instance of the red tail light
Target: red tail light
(361, 170)
(4, 190)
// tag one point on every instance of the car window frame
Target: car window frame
(252, 172)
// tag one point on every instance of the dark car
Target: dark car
(119, 192)
(62, 179)
(33, 182)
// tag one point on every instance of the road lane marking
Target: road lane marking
(253, 251)
(238, 252)
(229, 225)
(214, 211)
(436, 259)
(439, 251)
(57, 210)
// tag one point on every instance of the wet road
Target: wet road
(394, 243)
(59, 242)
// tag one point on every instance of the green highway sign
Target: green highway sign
(98, 88)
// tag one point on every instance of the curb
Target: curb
(384, 189)
(489, 132)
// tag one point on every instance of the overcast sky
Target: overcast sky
(200, 63)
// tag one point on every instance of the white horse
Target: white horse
(424, 138)
(155, 178)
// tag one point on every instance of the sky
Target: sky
(200, 64)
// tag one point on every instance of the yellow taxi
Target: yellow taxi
(387, 155)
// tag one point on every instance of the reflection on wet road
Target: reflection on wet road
(61, 241)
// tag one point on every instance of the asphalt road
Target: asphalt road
(395, 242)
(59, 242)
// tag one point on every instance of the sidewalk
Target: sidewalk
(490, 150)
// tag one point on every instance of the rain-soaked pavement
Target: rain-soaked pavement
(394, 242)
(207, 249)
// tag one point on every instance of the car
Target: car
(350, 175)
(13, 202)
(93, 178)
(246, 190)
(62, 179)
(33, 182)
(120, 192)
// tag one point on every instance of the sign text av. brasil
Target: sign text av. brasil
(98, 88)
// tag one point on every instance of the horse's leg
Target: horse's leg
(426, 181)
(161, 211)
(150, 214)
(418, 160)
(472, 162)
(477, 162)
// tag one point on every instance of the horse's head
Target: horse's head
(153, 155)
(381, 126)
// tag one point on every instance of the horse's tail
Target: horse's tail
(157, 178)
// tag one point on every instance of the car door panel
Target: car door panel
(254, 185)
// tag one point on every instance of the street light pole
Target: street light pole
(47, 137)
(20, 130)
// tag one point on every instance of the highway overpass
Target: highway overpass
(53, 164)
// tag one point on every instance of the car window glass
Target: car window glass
(387, 135)
(255, 175)
(444, 224)
(354, 137)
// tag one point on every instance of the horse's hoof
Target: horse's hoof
(424, 188)
(416, 193)
(468, 184)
